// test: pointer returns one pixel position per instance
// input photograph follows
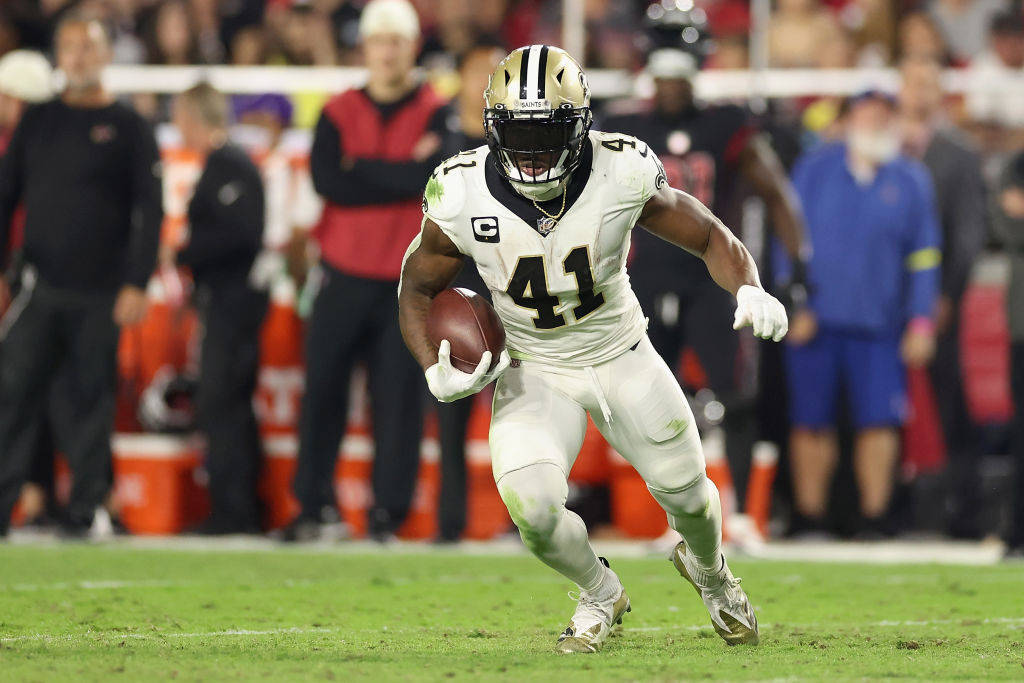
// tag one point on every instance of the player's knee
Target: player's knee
(534, 513)
(535, 517)
(692, 500)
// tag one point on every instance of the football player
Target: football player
(545, 210)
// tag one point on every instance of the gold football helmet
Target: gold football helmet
(537, 116)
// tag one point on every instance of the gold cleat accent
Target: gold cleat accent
(727, 600)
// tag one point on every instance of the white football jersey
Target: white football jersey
(563, 297)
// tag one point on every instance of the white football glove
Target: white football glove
(763, 312)
(448, 383)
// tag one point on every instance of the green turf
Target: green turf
(109, 613)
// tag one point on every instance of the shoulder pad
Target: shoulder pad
(445, 194)
(629, 161)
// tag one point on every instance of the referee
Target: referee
(87, 170)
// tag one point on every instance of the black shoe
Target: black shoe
(965, 531)
(302, 530)
(875, 529)
(71, 530)
(803, 527)
(446, 540)
(219, 527)
(1014, 553)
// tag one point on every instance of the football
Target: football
(470, 325)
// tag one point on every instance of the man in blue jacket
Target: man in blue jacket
(874, 284)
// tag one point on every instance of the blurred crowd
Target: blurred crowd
(918, 182)
(802, 33)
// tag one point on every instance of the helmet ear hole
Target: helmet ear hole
(508, 78)
(558, 76)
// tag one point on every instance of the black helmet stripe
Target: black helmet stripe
(542, 69)
(524, 69)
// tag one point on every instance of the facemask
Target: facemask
(879, 147)
(539, 192)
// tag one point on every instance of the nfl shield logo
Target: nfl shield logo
(545, 225)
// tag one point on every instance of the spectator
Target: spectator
(475, 69)
(169, 37)
(293, 207)
(1010, 219)
(955, 170)
(249, 46)
(706, 151)
(874, 283)
(305, 38)
(965, 24)
(798, 31)
(26, 78)
(373, 150)
(996, 99)
(225, 215)
(87, 169)
(454, 33)
(920, 38)
(872, 25)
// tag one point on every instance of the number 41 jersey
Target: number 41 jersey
(559, 287)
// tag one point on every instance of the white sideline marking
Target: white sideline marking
(94, 585)
(839, 552)
(149, 636)
(92, 635)
(966, 621)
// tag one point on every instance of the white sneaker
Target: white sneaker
(594, 618)
(730, 609)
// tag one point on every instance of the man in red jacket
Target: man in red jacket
(373, 150)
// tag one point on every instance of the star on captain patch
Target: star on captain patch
(545, 225)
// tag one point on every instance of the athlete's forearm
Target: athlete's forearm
(430, 265)
(413, 305)
(728, 261)
(678, 218)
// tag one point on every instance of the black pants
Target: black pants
(962, 443)
(75, 332)
(453, 423)
(698, 313)
(1015, 537)
(356, 319)
(232, 316)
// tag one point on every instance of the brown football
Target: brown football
(470, 325)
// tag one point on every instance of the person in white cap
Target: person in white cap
(372, 153)
(706, 150)
(25, 78)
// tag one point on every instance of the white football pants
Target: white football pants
(537, 427)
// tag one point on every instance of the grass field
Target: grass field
(109, 613)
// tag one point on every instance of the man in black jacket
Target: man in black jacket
(226, 218)
(955, 170)
(88, 172)
(1009, 219)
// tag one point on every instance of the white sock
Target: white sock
(703, 532)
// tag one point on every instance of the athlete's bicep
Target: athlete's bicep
(678, 218)
(432, 261)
